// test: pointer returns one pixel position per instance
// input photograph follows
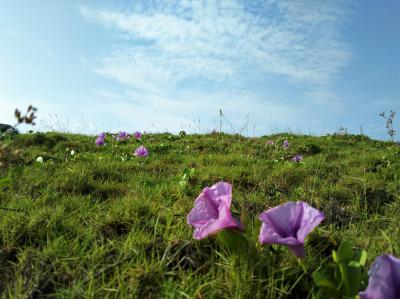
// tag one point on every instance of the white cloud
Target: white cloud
(168, 49)
(226, 42)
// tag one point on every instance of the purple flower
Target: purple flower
(100, 141)
(297, 158)
(211, 212)
(384, 279)
(138, 135)
(141, 151)
(289, 224)
(270, 142)
(122, 136)
(285, 143)
(102, 135)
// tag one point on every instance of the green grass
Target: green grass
(105, 224)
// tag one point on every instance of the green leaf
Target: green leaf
(318, 277)
(363, 258)
(334, 255)
(354, 274)
(323, 282)
(351, 278)
(345, 252)
(354, 264)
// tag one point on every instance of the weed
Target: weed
(389, 123)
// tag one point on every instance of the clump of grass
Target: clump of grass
(98, 225)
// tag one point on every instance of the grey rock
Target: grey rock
(4, 128)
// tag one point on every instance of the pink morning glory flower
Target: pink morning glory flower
(285, 143)
(297, 158)
(100, 141)
(289, 224)
(384, 279)
(211, 212)
(141, 151)
(138, 135)
(270, 142)
(122, 136)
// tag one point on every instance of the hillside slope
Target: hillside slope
(104, 223)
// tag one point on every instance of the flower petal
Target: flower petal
(224, 220)
(384, 279)
(223, 191)
(284, 219)
(211, 212)
(289, 224)
(310, 219)
(204, 210)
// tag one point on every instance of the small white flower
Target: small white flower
(72, 152)
(39, 159)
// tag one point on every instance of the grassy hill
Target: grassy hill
(104, 224)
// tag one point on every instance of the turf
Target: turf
(104, 224)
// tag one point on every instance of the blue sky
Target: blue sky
(302, 66)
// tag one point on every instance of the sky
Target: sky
(308, 67)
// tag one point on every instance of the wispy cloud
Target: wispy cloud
(225, 42)
(168, 49)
